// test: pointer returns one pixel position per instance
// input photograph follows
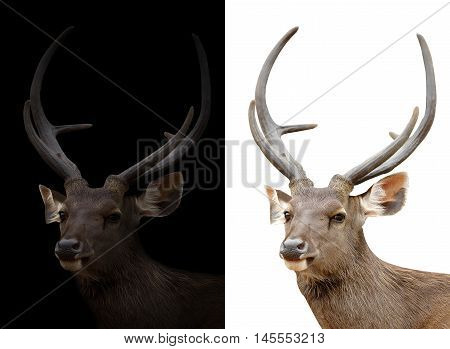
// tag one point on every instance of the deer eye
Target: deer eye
(340, 217)
(287, 215)
(114, 217)
(62, 215)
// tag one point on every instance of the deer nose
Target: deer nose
(67, 249)
(293, 248)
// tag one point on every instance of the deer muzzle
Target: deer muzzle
(297, 254)
(71, 254)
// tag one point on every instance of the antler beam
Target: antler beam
(43, 134)
(178, 144)
(403, 146)
(269, 140)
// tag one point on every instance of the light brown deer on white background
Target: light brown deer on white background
(345, 284)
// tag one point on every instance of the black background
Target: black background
(149, 52)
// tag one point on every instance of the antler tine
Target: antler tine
(205, 86)
(280, 163)
(419, 135)
(358, 172)
(393, 135)
(178, 144)
(171, 159)
(49, 156)
(272, 132)
(131, 174)
(44, 139)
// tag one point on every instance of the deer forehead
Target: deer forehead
(94, 199)
(322, 199)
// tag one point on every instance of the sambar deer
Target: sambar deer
(344, 283)
(120, 282)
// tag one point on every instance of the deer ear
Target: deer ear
(53, 203)
(279, 202)
(162, 196)
(386, 197)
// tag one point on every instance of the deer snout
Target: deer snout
(292, 249)
(297, 254)
(68, 249)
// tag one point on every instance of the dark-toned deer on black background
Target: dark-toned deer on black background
(123, 286)
(345, 284)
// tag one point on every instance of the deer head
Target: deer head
(324, 225)
(93, 220)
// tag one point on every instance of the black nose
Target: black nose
(67, 249)
(293, 248)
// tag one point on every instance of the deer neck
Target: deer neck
(134, 276)
(118, 268)
(359, 295)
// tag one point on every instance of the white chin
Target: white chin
(71, 265)
(299, 265)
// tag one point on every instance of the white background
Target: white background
(354, 118)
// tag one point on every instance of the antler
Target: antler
(269, 137)
(403, 145)
(43, 134)
(269, 140)
(177, 144)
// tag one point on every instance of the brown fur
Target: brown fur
(345, 284)
(370, 293)
(124, 287)
(131, 290)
